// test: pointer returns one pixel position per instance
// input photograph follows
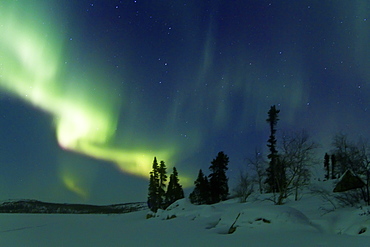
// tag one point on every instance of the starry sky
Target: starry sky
(91, 91)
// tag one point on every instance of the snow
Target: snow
(260, 223)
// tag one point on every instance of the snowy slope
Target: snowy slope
(260, 223)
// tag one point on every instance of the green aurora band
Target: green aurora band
(85, 119)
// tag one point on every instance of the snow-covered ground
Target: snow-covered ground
(260, 223)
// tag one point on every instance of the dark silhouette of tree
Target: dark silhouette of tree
(327, 166)
(200, 194)
(333, 166)
(153, 191)
(157, 186)
(218, 181)
(162, 184)
(275, 172)
(174, 189)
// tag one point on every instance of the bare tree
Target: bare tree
(363, 170)
(244, 186)
(258, 164)
(327, 196)
(354, 156)
(349, 198)
(348, 154)
(297, 156)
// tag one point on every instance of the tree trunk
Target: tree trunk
(296, 194)
(281, 198)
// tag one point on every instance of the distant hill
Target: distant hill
(38, 207)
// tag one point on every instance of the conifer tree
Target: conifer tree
(333, 166)
(153, 192)
(275, 172)
(200, 194)
(174, 189)
(327, 166)
(162, 184)
(218, 181)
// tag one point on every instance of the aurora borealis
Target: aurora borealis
(91, 91)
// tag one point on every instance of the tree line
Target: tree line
(214, 188)
(286, 172)
(290, 162)
(206, 191)
(158, 197)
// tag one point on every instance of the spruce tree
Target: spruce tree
(276, 178)
(162, 185)
(333, 166)
(200, 194)
(153, 192)
(327, 166)
(174, 189)
(218, 181)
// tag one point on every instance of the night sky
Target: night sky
(91, 91)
